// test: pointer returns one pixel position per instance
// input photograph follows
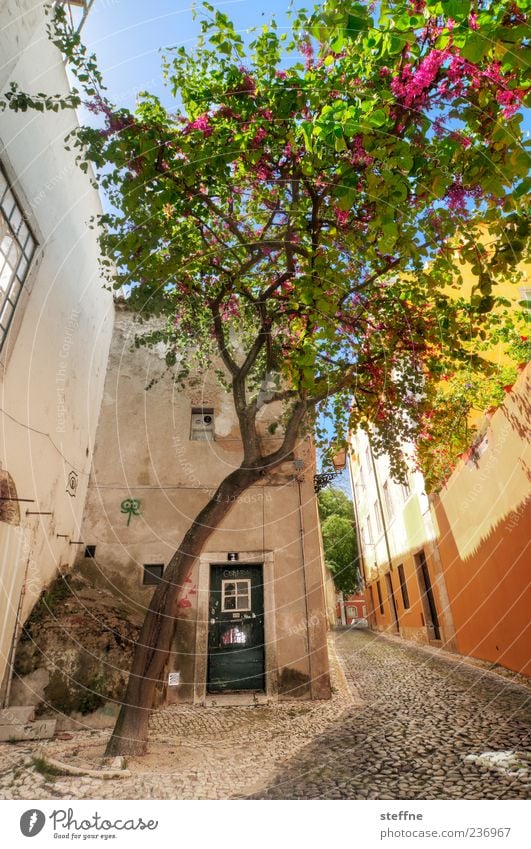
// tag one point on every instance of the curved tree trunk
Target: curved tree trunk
(154, 643)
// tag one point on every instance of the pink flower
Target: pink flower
(457, 196)
(263, 171)
(202, 123)
(358, 156)
(341, 217)
(259, 137)
(248, 84)
(307, 50)
(510, 100)
(473, 21)
(412, 86)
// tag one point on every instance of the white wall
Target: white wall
(52, 368)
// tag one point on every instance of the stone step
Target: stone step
(17, 715)
(38, 730)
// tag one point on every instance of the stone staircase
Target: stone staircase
(19, 724)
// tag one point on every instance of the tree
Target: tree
(336, 513)
(296, 223)
(341, 554)
(333, 501)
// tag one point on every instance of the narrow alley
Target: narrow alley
(403, 723)
(420, 734)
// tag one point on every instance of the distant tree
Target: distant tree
(333, 501)
(341, 553)
(336, 512)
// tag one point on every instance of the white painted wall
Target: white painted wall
(52, 369)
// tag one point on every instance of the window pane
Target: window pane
(15, 235)
(242, 586)
(230, 589)
(5, 277)
(23, 233)
(8, 203)
(5, 314)
(22, 267)
(16, 220)
(230, 603)
(243, 602)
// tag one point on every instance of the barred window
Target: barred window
(17, 247)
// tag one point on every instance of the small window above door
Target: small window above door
(235, 596)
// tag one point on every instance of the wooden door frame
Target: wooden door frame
(250, 558)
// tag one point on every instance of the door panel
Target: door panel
(236, 629)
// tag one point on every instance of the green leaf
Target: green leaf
(458, 10)
(377, 118)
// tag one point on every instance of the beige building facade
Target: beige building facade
(259, 585)
(55, 329)
(405, 588)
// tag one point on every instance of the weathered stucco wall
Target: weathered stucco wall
(144, 452)
(52, 366)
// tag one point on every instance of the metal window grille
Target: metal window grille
(17, 248)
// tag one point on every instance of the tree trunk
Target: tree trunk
(155, 640)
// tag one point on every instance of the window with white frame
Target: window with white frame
(17, 247)
(236, 595)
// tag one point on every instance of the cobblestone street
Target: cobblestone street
(417, 732)
(424, 722)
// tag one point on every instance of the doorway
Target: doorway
(392, 603)
(427, 596)
(236, 652)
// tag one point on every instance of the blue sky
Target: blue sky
(127, 37)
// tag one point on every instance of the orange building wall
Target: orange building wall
(484, 518)
(490, 592)
(411, 620)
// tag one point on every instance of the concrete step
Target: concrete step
(38, 730)
(17, 715)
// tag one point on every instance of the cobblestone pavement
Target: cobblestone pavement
(418, 733)
(193, 752)
(426, 723)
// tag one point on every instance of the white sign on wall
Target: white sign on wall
(174, 679)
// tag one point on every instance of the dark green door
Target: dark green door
(236, 629)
